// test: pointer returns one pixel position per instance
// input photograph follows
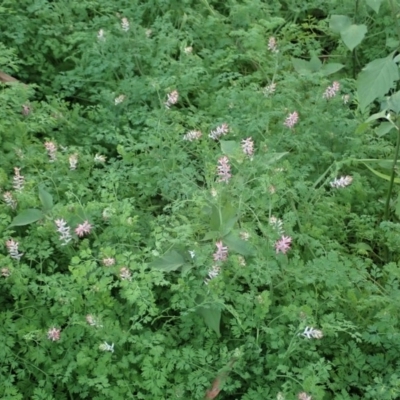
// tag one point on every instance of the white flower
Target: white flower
(99, 158)
(212, 273)
(342, 182)
(100, 35)
(192, 253)
(119, 99)
(107, 347)
(125, 24)
(311, 333)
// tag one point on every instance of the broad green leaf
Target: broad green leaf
(376, 116)
(212, 318)
(362, 128)
(27, 217)
(230, 147)
(223, 218)
(338, 23)
(353, 35)
(331, 68)
(315, 64)
(170, 261)
(304, 67)
(393, 102)
(376, 79)
(383, 176)
(238, 245)
(374, 4)
(46, 199)
(384, 128)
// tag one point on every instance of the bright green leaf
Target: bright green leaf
(338, 23)
(46, 199)
(374, 4)
(376, 116)
(304, 67)
(170, 261)
(384, 128)
(223, 218)
(230, 147)
(353, 35)
(376, 79)
(27, 217)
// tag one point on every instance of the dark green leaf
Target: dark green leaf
(212, 318)
(238, 245)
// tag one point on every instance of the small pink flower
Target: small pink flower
(272, 45)
(53, 334)
(222, 252)
(223, 169)
(83, 229)
(221, 130)
(18, 180)
(26, 110)
(270, 89)
(12, 247)
(9, 200)
(51, 150)
(248, 146)
(108, 262)
(304, 396)
(331, 91)
(125, 274)
(173, 98)
(283, 244)
(292, 120)
(212, 273)
(192, 135)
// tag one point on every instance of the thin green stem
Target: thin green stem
(396, 20)
(390, 190)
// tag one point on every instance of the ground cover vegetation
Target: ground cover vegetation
(199, 199)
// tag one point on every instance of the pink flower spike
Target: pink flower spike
(51, 150)
(222, 252)
(173, 98)
(83, 229)
(331, 91)
(283, 244)
(53, 334)
(221, 130)
(292, 120)
(248, 146)
(223, 169)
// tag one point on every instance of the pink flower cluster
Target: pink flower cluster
(331, 91)
(248, 146)
(51, 150)
(221, 253)
(221, 130)
(65, 231)
(192, 135)
(283, 244)
(54, 334)
(292, 120)
(9, 200)
(173, 98)
(224, 169)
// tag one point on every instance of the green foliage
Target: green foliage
(148, 251)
